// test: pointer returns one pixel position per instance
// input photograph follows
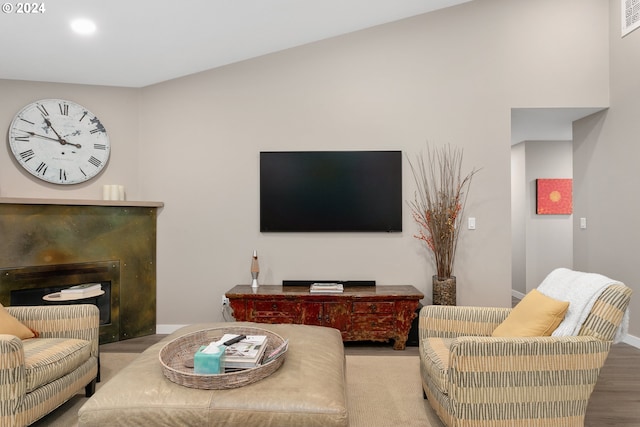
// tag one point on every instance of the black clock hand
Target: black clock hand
(48, 122)
(40, 136)
(61, 140)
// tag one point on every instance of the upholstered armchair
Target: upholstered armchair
(474, 379)
(39, 374)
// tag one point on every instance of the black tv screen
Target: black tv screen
(330, 191)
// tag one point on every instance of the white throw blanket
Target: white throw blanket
(581, 290)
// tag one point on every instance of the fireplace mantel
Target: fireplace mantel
(74, 202)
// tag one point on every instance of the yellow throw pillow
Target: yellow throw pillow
(537, 315)
(12, 326)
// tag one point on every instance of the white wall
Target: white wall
(448, 77)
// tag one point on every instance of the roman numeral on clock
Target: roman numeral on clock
(63, 175)
(43, 110)
(22, 138)
(42, 168)
(27, 155)
(95, 162)
(99, 146)
(64, 109)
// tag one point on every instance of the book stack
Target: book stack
(326, 288)
(84, 289)
(244, 354)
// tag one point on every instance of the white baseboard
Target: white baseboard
(167, 329)
(517, 294)
(632, 341)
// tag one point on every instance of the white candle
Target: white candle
(106, 192)
(113, 193)
(121, 192)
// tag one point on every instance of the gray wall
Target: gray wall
(447, 77)
(606, 153)
(519, 209)
(549, 237)
(541, 243)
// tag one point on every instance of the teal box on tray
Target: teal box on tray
(210, 362)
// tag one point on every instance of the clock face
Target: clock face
(59, 141)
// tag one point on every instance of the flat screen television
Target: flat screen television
(330, 191)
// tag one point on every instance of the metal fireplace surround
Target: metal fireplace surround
(57, 243)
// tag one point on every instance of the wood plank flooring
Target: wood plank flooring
(616, 398)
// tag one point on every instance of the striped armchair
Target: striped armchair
(472, 379)
(39, 374)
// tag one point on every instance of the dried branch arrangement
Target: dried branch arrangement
(439, 202)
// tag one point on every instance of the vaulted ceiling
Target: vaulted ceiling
(142, 42)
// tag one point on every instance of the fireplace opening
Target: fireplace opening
(36, 296)
(28, 285)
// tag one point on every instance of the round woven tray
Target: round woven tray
(176, 353)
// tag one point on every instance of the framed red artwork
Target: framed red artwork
(554, 196)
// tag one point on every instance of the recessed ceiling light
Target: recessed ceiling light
(83, 26)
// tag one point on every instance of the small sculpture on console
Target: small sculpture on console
(255, 270)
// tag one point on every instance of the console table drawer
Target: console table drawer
(374, 323)
(373, 307)
(267, 307)
(274, 311)
(270, 318)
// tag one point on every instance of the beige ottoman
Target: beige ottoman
(307, 390)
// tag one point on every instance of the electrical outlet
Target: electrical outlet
(225, 301)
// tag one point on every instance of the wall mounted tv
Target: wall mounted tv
(330, 191)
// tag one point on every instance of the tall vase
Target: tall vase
(444, 290)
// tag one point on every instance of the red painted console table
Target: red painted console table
(361, 313)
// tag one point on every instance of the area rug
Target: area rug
(385, 391)
(382, 391)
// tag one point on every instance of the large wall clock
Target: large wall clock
(59, 141)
